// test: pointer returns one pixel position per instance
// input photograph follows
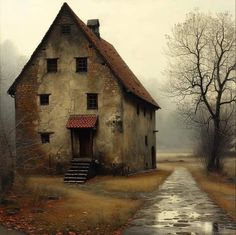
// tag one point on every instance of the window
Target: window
(138, 109)
(81, 64)
(144, 111)
(44, 99)
(45, 138)
(92, 101)
(146, 140)
(65, 29)
(151, 114)
(51, 65)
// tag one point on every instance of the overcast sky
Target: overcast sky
(136, 28)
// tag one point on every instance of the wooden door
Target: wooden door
(153, 157)
(75, 142)
(85, 143)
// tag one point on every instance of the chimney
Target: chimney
(94, 26)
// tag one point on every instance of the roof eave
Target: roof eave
(154, 104)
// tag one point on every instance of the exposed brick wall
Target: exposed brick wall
(27, 138)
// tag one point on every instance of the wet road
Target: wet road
(180, 207)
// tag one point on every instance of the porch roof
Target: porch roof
(82, 121)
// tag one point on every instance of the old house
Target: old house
(77, 101)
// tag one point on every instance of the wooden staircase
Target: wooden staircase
(80, 171)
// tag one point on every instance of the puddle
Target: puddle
(166, 215)
(194, 215)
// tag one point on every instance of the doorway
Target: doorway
(82, 143)
(153, 152)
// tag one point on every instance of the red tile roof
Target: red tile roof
(82, 121)
(111, 57)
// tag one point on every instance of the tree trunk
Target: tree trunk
(213, 162)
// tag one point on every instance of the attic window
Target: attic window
(81, 64)
(45, 138)
(52, 65)
(65, 29)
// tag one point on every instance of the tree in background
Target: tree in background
(202, 76)
(10, 65)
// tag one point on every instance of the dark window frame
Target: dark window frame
(52, 65)
(81, 64)
(45, 137)
(146, 140)
(144, 111)
(65, 29)
(44, 99)
(138, 109)
(92, 101)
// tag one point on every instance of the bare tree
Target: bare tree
(202, 74)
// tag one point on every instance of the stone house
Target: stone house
(76, 99)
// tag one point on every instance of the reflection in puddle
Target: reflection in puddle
(166, 215)
(205, 226)
(194, 215)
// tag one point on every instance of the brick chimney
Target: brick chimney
(93, 24)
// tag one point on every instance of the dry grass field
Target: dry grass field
(145, 182)
(100, 206)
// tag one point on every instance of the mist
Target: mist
(11, 63)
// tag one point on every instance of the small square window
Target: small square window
(92, 101)
(45, 138)
(151, 114)
(44, 99)
(81, 64)
(138, 109)
(52, 65)
(65, 29)
(146, 140)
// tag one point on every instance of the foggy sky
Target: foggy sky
(136, 28)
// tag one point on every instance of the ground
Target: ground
(179, 206)
(103, 205)
(48, 206)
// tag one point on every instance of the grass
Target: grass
(99, 207)
(218, 189)
(84, 211)
(145, 182)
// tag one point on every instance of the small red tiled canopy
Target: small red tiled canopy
(82, 121)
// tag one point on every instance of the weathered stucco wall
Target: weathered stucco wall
(68, 91)
(138, 154)
(120, 134)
